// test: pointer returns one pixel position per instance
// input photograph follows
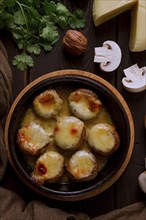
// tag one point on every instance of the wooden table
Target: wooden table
(125, 191)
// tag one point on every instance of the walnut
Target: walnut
(75, 42)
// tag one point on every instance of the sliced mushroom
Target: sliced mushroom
(135, 80)
(109, 56)
(142, 179)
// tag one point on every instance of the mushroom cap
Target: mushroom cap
(109, 56)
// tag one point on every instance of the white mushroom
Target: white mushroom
(135, 80)
(142, 180)
(109, 56)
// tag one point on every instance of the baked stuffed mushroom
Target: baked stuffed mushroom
(82, 166)
(48, 104)
(32, 139)
(103, 138)
(69, 133)
(49, 168)
(84, 104)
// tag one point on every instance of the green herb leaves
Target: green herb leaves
(34, 25)
(23, 61)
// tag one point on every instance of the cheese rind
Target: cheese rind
(104, 10)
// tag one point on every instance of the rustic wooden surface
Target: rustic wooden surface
(126, 190)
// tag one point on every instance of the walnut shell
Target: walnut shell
(75, 42)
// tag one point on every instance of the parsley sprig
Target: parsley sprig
(34, 25)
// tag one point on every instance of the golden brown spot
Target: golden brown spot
(77, 96)
(56, 129)
(21, 135)
(78, 173)
(41, 169)
(46, 98)
(94, 106)
(73, 130)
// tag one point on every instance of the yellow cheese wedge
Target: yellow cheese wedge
(138, 27)
(104, 10)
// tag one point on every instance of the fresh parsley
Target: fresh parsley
(34, 25)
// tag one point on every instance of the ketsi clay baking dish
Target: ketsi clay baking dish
(121, 118)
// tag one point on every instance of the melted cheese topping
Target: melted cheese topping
(49, 167)
(102, 137)
(32, 138)
(82, 164)
(49, 125)
(84, 104)
(31, 118)
(48, 104)
(68, 132)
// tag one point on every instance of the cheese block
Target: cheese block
(138, 27)
(104, 10)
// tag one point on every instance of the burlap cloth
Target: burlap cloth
(12, 206)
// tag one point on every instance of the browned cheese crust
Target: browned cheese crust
(32, 139)
(84, 104)
(47, 104)
(82, 166)
(103, 138)
(69, 133)
(49, 168)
